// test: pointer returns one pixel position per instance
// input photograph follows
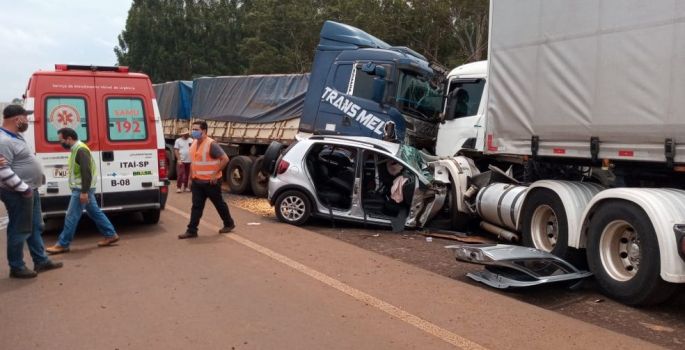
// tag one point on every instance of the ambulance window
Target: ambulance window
(65, 112)
(126, 119)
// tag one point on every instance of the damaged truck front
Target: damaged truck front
(587, 121)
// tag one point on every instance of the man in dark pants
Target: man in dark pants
(20, 176)
(207, 161)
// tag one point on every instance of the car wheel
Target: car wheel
(238, 174)
(271, 156)
(258, 179)
(151, 217)
(293, 207)
(623, 253)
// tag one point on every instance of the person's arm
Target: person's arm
(176, 148)
(83, 160)
(216, 152)
(10, 180)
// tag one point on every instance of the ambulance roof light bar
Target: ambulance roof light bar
(65, 67)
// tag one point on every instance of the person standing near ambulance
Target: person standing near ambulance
(182, 151)
(82, 178)
(207, 161)
(20, 176)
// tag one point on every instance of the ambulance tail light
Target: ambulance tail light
(162, 162)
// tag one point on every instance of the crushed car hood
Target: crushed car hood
(510, 266)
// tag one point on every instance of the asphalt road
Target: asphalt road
(265, 286)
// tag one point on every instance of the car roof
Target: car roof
(360, 141)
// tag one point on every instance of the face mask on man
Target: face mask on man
(22, 126)
(65, 145)
(196, 134)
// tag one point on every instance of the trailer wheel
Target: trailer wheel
(258, 179)
(238, 174)
(623, 253)
(271, 156)
(293, 207)
(544, 224)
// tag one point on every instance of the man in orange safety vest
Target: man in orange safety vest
(207, 161)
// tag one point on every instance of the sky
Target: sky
(37, 34)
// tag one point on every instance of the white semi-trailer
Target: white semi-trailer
(584, 103)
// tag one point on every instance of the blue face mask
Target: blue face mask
(196, 134)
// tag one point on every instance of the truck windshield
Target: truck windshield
(417, 97)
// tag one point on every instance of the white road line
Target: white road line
(386, 307)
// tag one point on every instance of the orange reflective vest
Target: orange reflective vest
(203, 166)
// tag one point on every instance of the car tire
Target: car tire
(258, 179)
(151, 217)
(293, 207)
(617, 231)
(238, 174)
(271, 156)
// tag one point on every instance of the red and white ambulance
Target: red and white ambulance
(115, 113)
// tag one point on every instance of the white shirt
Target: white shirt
(183, 147)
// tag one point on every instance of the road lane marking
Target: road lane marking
(386, 307)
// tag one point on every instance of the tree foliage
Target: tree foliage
(183, 39)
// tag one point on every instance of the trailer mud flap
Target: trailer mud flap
(509, 266)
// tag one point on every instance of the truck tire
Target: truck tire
(151, 217)
(623, 253)
(271, 156)
(293, 207)
(238, 174)
(544, 224)
(258, 179)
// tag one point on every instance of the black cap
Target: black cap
(14, 110)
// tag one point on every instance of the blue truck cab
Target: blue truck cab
(362, 86)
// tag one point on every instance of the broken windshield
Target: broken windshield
(412, 157)
(416, 96)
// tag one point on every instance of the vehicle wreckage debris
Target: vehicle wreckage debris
(509, 266)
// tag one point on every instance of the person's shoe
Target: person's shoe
(227, 229)
(179, 190)
(24, 272)
(56, 249)
(187, 189)
(187, 235)
(108, 241)
(49, 265)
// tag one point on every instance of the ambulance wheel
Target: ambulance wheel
(238, 174)
(258, 179)
(151, 217)
(623, 254)
(271, 156)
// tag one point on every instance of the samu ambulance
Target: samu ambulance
(115, 113)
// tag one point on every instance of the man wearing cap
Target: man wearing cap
(181, 148)
(20, 176)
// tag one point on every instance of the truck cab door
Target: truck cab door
(463, 124)
(347, 106)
